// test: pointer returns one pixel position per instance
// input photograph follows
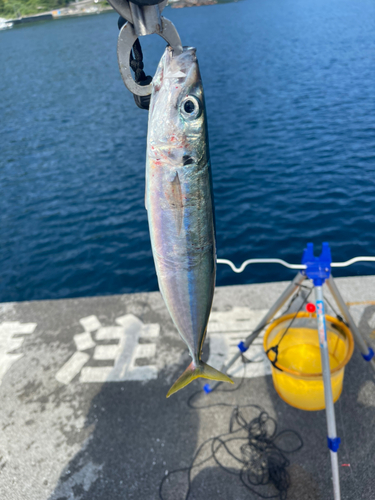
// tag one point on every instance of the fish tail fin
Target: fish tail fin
(194, 371)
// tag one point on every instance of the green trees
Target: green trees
(17, 8)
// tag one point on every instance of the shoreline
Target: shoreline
(90, 7)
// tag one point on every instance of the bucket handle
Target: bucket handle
(274, 349)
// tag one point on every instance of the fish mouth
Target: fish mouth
(173, 64)
(185, 49)
(174, 73)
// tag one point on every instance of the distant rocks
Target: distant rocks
(179, 4)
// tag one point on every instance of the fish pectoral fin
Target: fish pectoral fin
(176, 202)
(201, 371)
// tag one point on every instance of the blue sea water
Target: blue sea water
(290, 92)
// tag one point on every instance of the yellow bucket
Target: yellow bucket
(299, 381)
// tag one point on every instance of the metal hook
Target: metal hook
(141, 14)
(122, 7)
(126, 40)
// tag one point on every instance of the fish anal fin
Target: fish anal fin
(193, 372)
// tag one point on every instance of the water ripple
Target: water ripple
(291, 104)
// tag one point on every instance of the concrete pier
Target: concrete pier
(84, 416)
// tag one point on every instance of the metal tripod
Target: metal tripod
(317, 269)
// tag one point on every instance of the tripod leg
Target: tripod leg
(366, 351)
(243, 346)
(333, 440)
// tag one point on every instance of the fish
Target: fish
(180, 205)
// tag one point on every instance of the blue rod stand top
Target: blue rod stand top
(318, 269)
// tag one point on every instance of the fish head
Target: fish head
(177, 117)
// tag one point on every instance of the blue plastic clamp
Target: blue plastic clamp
(333, 443)
(207, 389)
(241, 346)
(369, 356)
(317, 269)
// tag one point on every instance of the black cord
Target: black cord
(247, 360)
(338, 316)
(262, 460)
(136, 64)
(259, 452)
(275, 348)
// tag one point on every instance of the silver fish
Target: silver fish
(179, 204)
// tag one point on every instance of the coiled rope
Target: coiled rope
(254, 444)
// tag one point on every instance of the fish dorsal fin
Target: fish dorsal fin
(176, 201)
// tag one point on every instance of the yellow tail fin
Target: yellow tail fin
(201, 371)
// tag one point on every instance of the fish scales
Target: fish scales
(179, 204)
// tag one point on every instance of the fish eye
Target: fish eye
(190, 107)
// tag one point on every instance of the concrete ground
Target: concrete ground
(84, 416)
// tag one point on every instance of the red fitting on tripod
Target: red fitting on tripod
(310, 307)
